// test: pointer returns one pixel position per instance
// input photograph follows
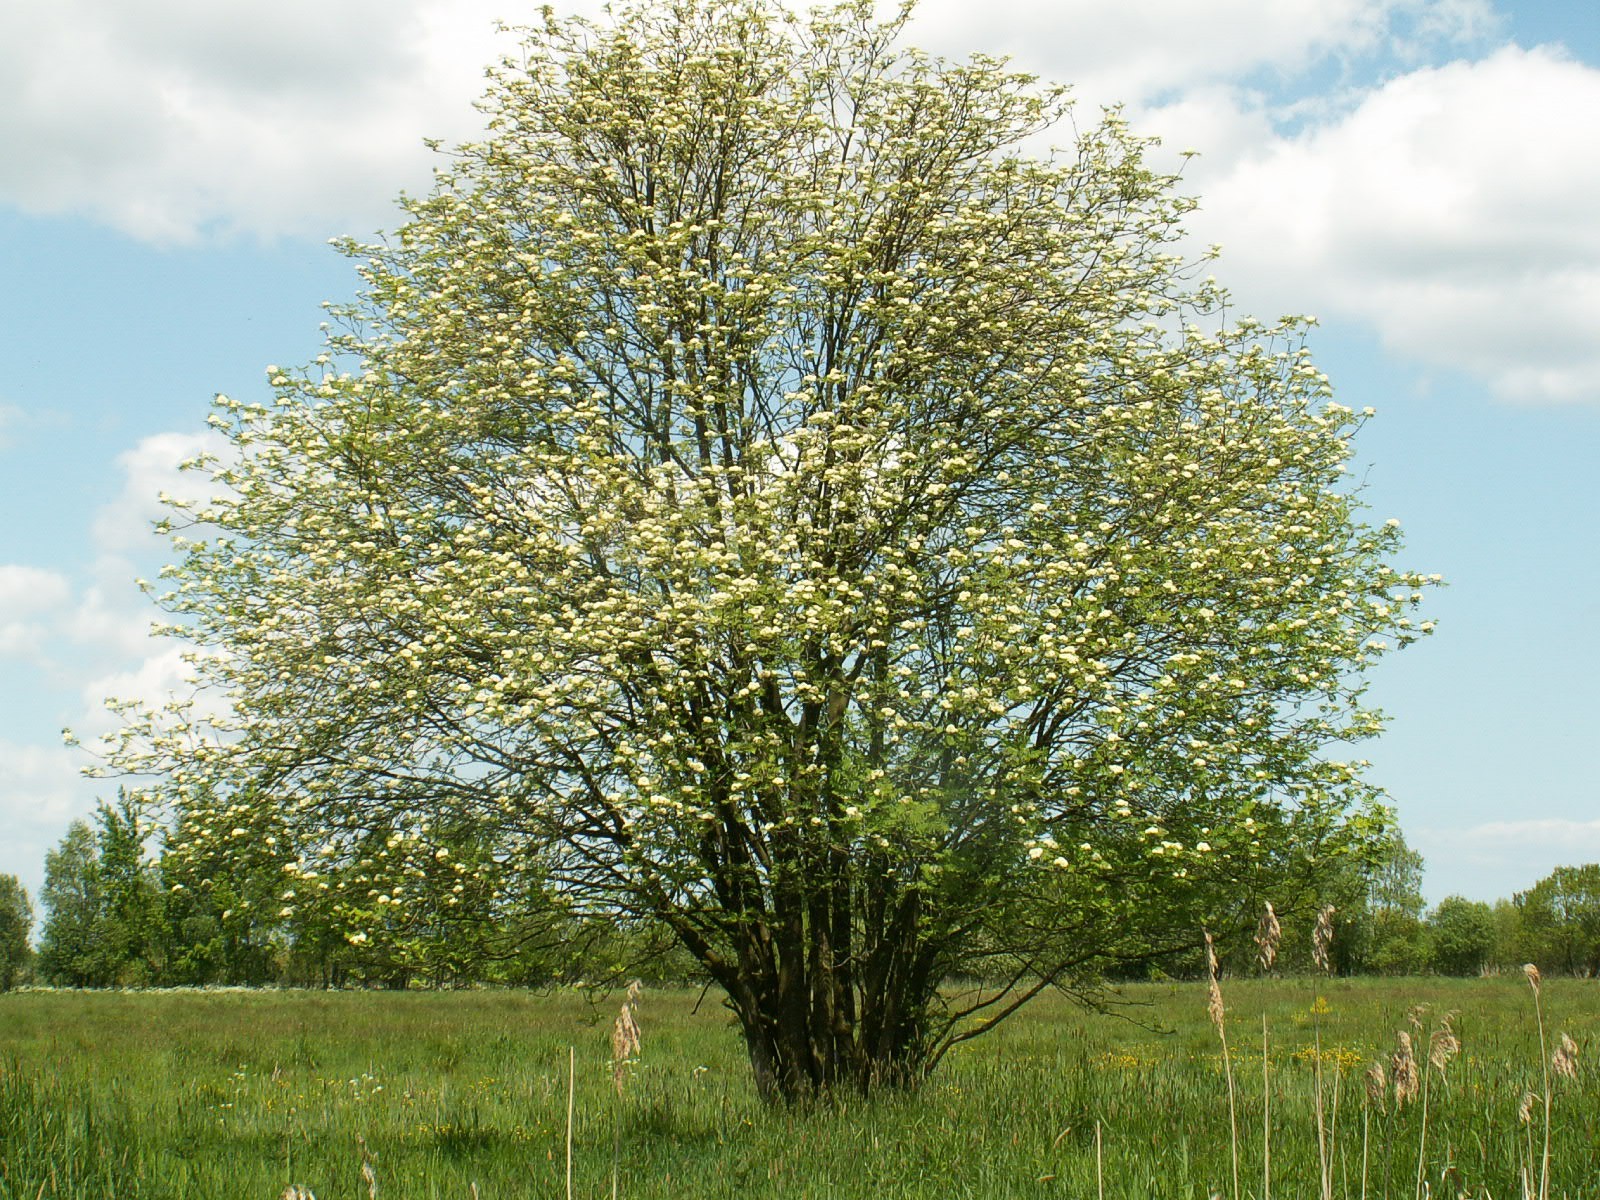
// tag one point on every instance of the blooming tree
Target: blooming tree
(754, 495)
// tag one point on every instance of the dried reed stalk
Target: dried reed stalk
(1321, 941)
(1534, 982)
(1525, 1118)
(1324, 1163)
(1266, 1102)
(1099, 1164)
(572, 1083)
(625, 1042)
(1218, 1015)
(1214, 1008)
(1414, 1016)
(1377, 1086)
(1563, 1064)
(1443, 1045)
(1377, 1090)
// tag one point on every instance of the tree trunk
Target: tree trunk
(816, 1022)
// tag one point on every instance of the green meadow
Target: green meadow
(239, 1094)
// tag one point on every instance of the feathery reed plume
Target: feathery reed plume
(1218, 1015)
(1322, 938)
(368, 1173)
(1414, 1016)
(295, 1192)
(1564, 1061)
(625, 1035)
(1214, 1007)
(1377, 1086)
(1443, 1046)
(1532, 972)
(1403, 1070)
(1267, 935)
(1525, 1109)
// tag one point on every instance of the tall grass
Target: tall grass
(247, 1095)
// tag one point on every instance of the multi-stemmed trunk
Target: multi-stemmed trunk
(834, 991)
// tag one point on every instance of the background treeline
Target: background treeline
(120, 909)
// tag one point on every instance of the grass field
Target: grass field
(238, 1095)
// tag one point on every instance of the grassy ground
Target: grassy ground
(235, 1094)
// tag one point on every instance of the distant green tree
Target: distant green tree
(221, 925)
(1395, 885)
(1344, 888)
(1460, 936)
(1561, 920)
(1509, 950)
(131, 916)
(460, 898)
(1378, 926)
(103, 923)
(1396, 941)
(72, 946)
(460, 916)
(16, 921)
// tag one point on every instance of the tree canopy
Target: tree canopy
(1561, 919)
(754, 494)
(16, 923)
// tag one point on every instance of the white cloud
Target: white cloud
(170, 117)
(26, 590)
(1498, 858)
(112, 613)
(1138, 50)
(42, 610)
(10, 420)
(68, 644)
(41, 792)
(153, 680)
(109, 613)
(111, 619)
(1451, 209)
(31, 598)
(124, 527)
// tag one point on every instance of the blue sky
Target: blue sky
(1420, 174)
